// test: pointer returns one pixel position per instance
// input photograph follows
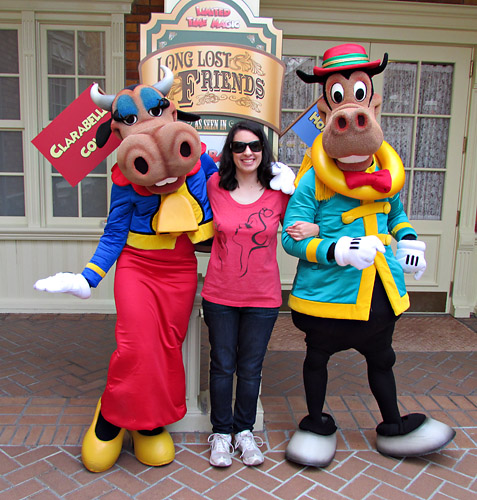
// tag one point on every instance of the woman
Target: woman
(242, 291)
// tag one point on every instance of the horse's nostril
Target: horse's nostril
(342, 123)
(185, 149)
(361, 120)
(141, 165)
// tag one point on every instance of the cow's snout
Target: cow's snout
(157, 153)
(141, 165)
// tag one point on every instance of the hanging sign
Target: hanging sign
(225, 61)
(221, 79)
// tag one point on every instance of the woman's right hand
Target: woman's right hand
(301, 230)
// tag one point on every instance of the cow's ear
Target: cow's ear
(183, 116)
(103, 133)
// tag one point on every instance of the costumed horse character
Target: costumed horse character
(349, 287)
(159, 210)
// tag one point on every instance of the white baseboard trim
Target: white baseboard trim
(55, 306)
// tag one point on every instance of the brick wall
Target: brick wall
(140, 14)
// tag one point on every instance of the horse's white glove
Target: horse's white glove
(357, 252)
(410, 254)
(283, 178)
(75, 284)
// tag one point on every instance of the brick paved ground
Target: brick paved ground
(52, 370)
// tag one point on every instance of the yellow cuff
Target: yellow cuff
(311, 249)
(96, 269)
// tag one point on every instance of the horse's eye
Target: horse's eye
(360, 91)
(337, 93)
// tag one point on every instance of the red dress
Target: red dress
(150, 329)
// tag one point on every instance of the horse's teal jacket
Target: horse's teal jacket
(324, 289)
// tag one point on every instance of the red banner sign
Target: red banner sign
(69, 143)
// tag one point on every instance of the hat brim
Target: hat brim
(317, 71)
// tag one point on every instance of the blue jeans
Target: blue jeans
(238, 342)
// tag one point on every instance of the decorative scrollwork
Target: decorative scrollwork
(247, 102)
(176, 88)
(209, 98)
(244, 62)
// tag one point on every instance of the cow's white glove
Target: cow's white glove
(357, 252)
(410, 254)
(283, 178)
(75, 284)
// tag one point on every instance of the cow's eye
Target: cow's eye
(337, 93)
(156, 111)
(129, 119)
(360, 91)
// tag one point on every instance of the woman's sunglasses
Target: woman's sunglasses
(240, 147)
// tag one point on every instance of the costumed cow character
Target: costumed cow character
(349, 288)
(159, 210)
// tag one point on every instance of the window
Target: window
(75, 58)
(69, 60)
(12, 191)
(416, 116)
(297, 96)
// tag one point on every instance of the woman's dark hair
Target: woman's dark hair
(228, 180)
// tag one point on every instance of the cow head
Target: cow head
(157, 151)
(349, 107)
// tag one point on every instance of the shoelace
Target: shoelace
(248, 442)
(220, 444)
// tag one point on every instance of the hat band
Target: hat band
(345, 60)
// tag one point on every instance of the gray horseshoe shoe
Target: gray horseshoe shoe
(308, 448)
(429, 437)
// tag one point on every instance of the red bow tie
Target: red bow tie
(380, 180)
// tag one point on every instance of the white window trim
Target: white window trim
(48, 220)
(15, 125)
(107, 16)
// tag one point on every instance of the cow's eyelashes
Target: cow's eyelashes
(127, 111)
(129, 119)
(156, 111)
(158, 107)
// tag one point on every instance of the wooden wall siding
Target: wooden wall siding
(25, 261)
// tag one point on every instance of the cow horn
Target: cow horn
(104, 101)
(166, 83)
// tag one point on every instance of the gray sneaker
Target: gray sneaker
(221, 450)
(246, 442)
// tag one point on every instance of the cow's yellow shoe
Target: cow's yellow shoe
(153, 450)
(98, 455)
